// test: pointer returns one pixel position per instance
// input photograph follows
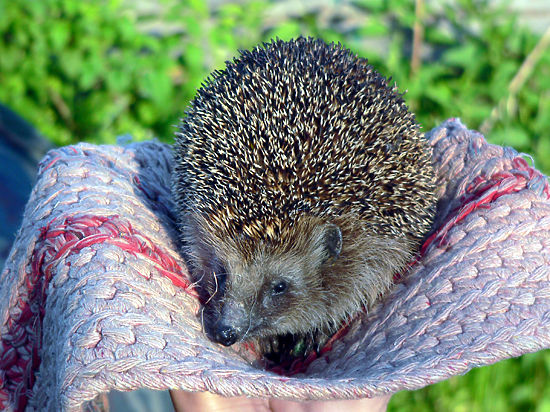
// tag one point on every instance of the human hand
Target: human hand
(205, 401)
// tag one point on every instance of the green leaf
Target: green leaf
(59, 35)
(11, 59)
(70, 61)
(287, 30)
(461, 56)
(374, 27)
(544, 405)
(146, 112)
(193, 56)
(543, 162)
(513, 136)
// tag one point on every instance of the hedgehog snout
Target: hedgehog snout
(231, 325)
(226, 335)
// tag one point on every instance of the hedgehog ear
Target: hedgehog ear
(333, 240)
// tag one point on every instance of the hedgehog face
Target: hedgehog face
(312, 282)
(275, 291)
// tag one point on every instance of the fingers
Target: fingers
(362, 405)
(208, 402)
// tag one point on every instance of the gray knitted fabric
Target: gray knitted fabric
(94, 295)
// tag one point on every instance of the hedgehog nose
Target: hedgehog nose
(226, 335)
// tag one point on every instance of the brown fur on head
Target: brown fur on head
(298, 163)
(314, 278)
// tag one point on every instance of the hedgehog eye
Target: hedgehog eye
(279, 288)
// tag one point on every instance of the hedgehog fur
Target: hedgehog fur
(302, 185)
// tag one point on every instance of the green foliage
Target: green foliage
(91, 70)
(472, 60)
(85, 70)
(519, 384)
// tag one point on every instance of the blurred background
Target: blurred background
(81, 70)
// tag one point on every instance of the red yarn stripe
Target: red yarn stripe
(61, 238)
(483, 191)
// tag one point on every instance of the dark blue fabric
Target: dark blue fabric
(21, 147)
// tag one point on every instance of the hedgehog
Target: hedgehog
(302, 185)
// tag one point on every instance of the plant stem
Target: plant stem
(517, 82)
(418, 37)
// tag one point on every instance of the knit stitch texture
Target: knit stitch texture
(94, 295)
